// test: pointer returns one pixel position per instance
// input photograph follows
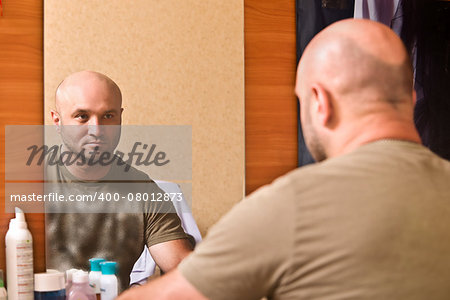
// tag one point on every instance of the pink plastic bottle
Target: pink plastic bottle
(81, 290)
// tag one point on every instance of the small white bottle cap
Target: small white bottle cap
(52, 271)
(69, 274)
(80, 277)
(48, 282)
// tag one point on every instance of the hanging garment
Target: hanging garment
(382, 11)
(426, 34)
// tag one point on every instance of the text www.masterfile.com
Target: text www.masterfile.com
(97, 196)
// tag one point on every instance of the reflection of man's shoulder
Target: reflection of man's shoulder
(52, 169)
(121, 170)
(130, 179)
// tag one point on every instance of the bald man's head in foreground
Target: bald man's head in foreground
(355, 85)
(85, 102)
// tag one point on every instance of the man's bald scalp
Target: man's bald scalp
(391, 82)
(353, 63)
(86, 75)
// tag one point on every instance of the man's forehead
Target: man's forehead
(89, 105)
(87, 97)
(88, 86)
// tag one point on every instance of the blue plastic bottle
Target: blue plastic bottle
(49, 286)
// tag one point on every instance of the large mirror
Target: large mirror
(178, 69)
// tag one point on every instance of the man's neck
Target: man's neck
(88, 173)
(84, 171)
(362, 134)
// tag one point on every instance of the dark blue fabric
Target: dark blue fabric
(426, 34)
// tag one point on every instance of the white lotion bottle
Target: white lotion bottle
(108, 281)
(19, 259)
(95, 274)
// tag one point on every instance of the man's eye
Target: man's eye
(82, 117)
(109, 116)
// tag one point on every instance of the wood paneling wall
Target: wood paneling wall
(271, 130)
(270, 103)
(21, 98)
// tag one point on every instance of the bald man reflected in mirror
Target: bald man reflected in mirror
(88, 118)
(370, 220)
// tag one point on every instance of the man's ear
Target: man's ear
(414, 97)
(322, 106)
(55, 117)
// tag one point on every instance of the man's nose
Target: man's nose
(94, 127)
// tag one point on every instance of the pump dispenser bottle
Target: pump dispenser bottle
(19, 259)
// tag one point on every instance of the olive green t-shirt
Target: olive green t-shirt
(371, 224)
(73, 238)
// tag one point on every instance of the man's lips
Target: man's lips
(96, 143)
